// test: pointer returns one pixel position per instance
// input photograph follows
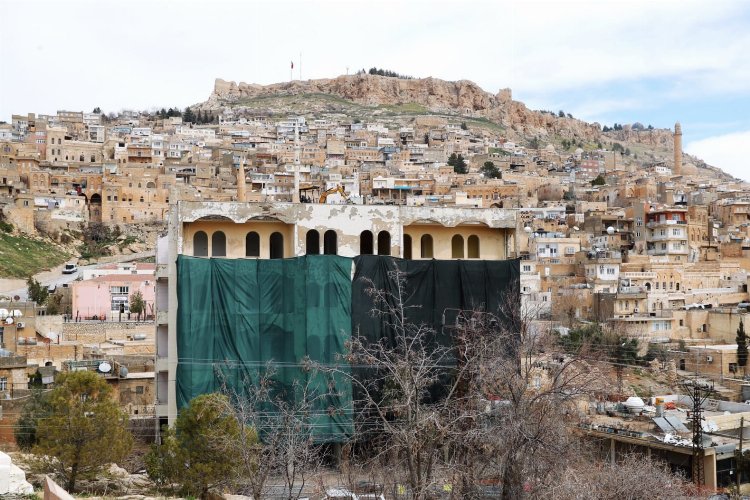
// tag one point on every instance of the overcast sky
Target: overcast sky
(656, 62)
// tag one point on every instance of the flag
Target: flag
(292, 64)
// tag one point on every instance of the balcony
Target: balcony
(665, 222)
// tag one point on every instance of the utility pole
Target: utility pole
(740, 457)
(699, 397)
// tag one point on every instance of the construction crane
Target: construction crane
(338, 189)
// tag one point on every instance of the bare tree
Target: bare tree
(284, 421)
(635, 477)
(492, 408)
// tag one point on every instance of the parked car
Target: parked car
(70, 269)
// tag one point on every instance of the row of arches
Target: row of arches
(330, 245)
(252, 244)
(312, 242)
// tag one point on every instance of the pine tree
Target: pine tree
(188, 116)
(85, 430)
(741, 345)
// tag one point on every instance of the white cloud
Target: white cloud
(728, 152)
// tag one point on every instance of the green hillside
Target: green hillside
(21, 257)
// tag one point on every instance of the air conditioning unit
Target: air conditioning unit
(20, 325)
(709, 359)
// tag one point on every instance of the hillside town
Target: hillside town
(611, 229)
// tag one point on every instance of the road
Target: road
(57, 278)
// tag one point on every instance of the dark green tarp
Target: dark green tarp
(435, 290)
(237, 315)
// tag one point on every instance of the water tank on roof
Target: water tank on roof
(123, 371)
(139, 336)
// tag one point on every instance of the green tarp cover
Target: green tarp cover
(237, 315)
(435, 290)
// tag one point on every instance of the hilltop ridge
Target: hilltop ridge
(461, 99)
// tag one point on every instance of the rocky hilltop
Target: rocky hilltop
(463, 97)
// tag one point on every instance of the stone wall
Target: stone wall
(92, 332)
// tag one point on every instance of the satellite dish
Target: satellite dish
(9, 320)
(610, 230)
(4, 313)
(16, 313)
(576, 228)
(105, 367)
(16, 298)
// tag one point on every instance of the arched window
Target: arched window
(407, 247)
(200, 244)
(330, 244)
(473, 246)
(426, 250)
(218, 244)
(457, 246)
(365, 243)
(150, 185)
(312, 242)
(384, 243)
(277, 246)
(252, 244)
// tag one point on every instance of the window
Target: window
(366, 244)
(330, 242)
(312, 242)
(252, 244)
(457, 247)
(526, 268)
(473, 246)
(384, 243)
(218, 244)
(139, 389)
(732, 367)
(276, 246)
(426, 247)
(200, 244)
(119, 290)
(407, 247)
(3, 383)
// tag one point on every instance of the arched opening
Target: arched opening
(218, 244)
(330, 244)
(252, 244)
(426, 244)
(200, 244)
(365, 243)
(276, 246)
(96, 199)
(384, 243)
(648, 286)
(473, 244)
(407, 247)
(150, 185)
(312, 242)
(457, 246)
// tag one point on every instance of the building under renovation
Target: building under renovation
(243, 284)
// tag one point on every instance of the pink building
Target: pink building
(105, 296)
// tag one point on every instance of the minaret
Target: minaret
(677, 170)
(295, 195)
(241, 186)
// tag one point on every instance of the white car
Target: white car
(70, 269)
